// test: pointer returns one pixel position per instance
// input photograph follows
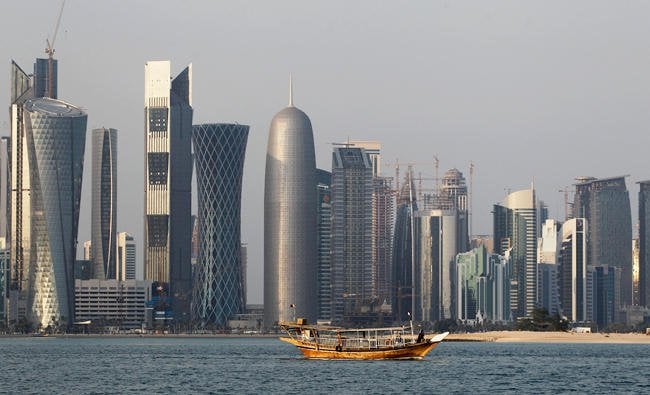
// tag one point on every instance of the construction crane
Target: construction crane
(49, 50)
(566, 191)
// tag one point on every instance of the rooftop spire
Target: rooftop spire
(290, 91)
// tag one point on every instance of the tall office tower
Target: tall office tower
(324, 240)
(104, 203)
(290, 256)
(383, 200)
(482, 286)
(453, 196)
(56, 138)
(45, 78)
(88, 250)
(383, 219)
(435, 260)
(572, 273)
(125, 257)
(604, 293)
(195, 240)
(168, 186)
(5, 188)
(403, 301)
(605, 204)
(515, 228)
(20, 197)
(219, 151)
(644, 243)
(547, 267)
(353, 272)
(4, 276)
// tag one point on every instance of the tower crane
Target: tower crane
(49, 50)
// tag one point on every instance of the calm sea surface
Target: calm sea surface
(227, 365)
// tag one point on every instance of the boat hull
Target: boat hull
(410, 351)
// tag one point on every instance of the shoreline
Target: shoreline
(550, 337)
(482, 337)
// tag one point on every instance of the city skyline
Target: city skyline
(446, 104)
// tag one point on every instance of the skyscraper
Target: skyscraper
(20, 197)
(168, 174)
(572, 272)
(515, 229)
(290, 256)
(435, 236)
(125, 257)
(605, 205)
(5, 188)
(104, 203)
(644, 243)
(219, 151)
(56, 138)
(402, 291)
(353, 272)
(324, 224)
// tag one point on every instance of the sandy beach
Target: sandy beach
(550, 337)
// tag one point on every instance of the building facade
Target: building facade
(515, 229)
(402, 293)
(353, 272)
(644, 243)
(572, 271)
(168, 174)
(435, 250)
(324, 224)
(290, 256)
(219, 151)
(56, 138)
(104, 203)
(120, 304)
(125, 257)
(482, 286)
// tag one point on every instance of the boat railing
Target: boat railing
(346, 342)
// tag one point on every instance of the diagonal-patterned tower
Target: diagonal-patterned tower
(219, 151)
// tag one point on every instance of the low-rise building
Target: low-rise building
(112, 302)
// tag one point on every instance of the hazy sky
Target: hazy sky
(544, 90)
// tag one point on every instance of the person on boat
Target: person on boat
(420, 336)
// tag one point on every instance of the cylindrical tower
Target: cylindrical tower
(104, 203)
(219, 151)
(290, 256)
(56, 138)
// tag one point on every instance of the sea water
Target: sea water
(266, 365)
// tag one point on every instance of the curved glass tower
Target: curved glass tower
(290, 256)
(219, 151)
(104, 205)
(56, 138)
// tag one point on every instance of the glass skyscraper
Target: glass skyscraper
(644, 243)
(324, 223)
(290, 255)
(219, 151)
(353, 272)
(515, 229)
(104, 203)
(168, 175)
(403, 300)
(605, 204)
(56, 138)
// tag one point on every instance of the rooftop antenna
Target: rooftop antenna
(49, 50)
(290, 91)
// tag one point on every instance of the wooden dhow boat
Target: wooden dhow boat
(330, 342)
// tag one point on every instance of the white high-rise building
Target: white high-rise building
(125, 257)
